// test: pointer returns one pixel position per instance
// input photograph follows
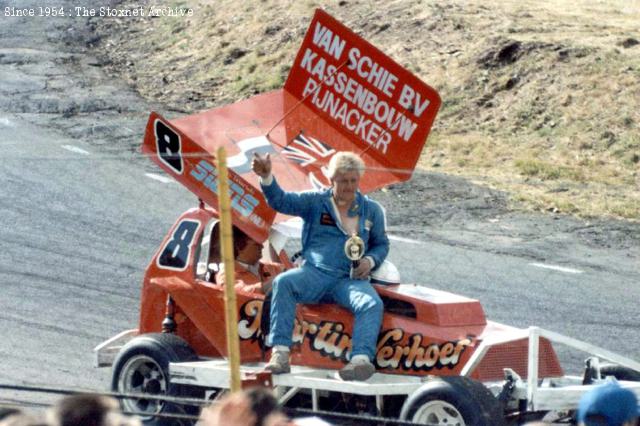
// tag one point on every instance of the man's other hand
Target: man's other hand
(261, 165)
(363, 269)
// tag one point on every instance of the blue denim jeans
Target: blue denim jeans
(309, 284)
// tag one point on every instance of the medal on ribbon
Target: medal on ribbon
(354, 250)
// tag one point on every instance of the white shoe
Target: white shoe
(278, 363)
(359, 368)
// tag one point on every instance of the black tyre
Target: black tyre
(620, 372)
(453, 401)
(142, 366)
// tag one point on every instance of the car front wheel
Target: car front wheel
(142, 366)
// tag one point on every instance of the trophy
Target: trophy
(354, 250)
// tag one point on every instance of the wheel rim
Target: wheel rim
(142, 374)
(438, 413)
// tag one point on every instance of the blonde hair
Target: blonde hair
(345, 161)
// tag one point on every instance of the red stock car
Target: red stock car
(439, 360)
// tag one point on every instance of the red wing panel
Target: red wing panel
(377, 104)
(311, 142)
(342, 94)
(194, 167)
(300, 146)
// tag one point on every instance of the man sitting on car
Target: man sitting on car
(331, 219)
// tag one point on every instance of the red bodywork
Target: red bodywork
(424, 331)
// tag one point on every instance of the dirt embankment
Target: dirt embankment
(539, 99)
(540, 102)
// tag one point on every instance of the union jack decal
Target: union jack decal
(306, 151)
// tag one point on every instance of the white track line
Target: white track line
(405, 240)
(557, 268)
(76, 149)
(159, 178)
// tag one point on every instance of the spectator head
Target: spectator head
(89, 410)
(252, 407)
(263, 403)
(608, 405)
(5, 412)
(18, 418)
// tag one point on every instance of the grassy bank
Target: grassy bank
(540, 98)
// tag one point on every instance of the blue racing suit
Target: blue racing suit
(325, 272)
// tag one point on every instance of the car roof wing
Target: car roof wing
(342, 94)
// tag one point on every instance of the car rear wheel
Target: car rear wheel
(453, 401)
(142, 366)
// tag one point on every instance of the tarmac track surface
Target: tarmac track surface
(83, 213)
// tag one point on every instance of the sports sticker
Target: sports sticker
(330, 339)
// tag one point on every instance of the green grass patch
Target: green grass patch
(547, 171)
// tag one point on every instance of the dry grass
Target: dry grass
(540, 98)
